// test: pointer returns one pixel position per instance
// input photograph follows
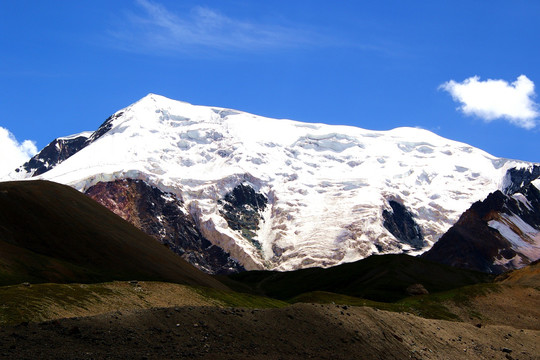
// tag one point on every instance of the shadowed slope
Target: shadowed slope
(52, 233)
(380, 278)
(301, 331)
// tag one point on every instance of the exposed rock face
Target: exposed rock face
(519, 177)
(495, 235)
(401, 224)
(104, 128)
(53, 154)
(61, 149)
(416, 289)
(162, 216)
(242, 209)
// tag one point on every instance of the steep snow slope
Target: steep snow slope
(325, 187)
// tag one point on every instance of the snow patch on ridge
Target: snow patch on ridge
(85, 134)
(523, 237)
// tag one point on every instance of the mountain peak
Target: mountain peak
(159, 100)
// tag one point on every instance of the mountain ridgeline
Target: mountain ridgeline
(495, 235)
(62, 148)
(229, 191)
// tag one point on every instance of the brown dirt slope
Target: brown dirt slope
(509, 305)
(527, 276)
(52, 233)
(513, 299)
(301, 331)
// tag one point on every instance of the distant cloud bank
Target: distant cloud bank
(13, 153)
(496, 99)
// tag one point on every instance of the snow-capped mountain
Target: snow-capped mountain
(281, 194)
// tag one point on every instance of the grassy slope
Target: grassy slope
(527, 276)
(382, 278)
(41, 302)
(50, 301)
(512, 298)
(52, 233)
(432, 306)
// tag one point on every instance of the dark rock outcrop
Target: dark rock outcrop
(473, 244)
(400, 222)
(53, 154)
(104, 128)
(60, 149)
(242, 209)
(518, 178)
(161, 216)
(416, 289)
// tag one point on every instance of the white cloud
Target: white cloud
(160, 30)
(496, 99)
(13, 153)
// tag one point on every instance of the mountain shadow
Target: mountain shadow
(52, 233)
(384, 278)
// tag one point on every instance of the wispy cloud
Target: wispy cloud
(496, 99)
(13, 153)
(156, 28)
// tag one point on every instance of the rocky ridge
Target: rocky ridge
(495, 235)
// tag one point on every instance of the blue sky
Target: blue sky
(465, 70)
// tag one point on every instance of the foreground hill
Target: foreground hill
(276, 194)
(52, 233)
(494, 321)
(514, 298)
(380, 277)
(301, 331)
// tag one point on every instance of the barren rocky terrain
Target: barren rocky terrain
(151, 320)
(301, 331)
